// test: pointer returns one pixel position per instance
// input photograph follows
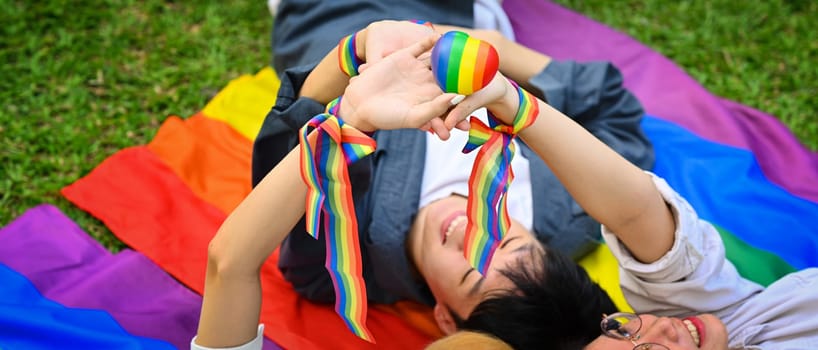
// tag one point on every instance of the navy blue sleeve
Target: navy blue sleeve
(593, 95)
(305, 30)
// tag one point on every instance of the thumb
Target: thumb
(363, 67)
(423, 113)
(457, 116)
(423, 45)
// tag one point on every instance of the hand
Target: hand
(385, 37)
(396, 92)
(499, 97)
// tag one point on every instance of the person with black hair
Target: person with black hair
(673, 268)
(554, 306)
(412, 173)
(431, 245)
(412, 170)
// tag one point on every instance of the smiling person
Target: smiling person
(412, 173)
(409, 197)
(673, 269)
(415, 183)
(398, 92)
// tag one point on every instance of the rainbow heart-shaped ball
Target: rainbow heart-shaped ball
(462, 64)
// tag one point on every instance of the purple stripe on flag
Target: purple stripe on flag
(69, 267)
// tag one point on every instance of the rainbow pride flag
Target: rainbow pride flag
(740, 168)
(168, 198)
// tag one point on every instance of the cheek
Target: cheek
(446, 265)
(716, 337)
(445, 273)
(441, 287)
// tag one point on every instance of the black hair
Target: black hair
(555, 305)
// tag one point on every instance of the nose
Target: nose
(661, 329)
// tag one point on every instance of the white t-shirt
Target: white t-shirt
(446, 171)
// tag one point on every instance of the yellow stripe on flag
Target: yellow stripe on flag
(603, 269)
(245, 101)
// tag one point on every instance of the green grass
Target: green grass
(80, 80)
(83, 79)
(760, 53)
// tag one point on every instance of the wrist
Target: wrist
(505, 108)
(348, 114)
(360, 44)
(349, 60)
(517, 109)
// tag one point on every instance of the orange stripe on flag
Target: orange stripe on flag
(209, 156)
(168, 199)
(147, 206)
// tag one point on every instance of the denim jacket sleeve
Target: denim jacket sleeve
(593, 95)
(306, 29)
(301, 256)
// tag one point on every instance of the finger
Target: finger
(463, 125)
(459, 113)
(426, 59)
(363, 67)
(440, 129)
(424, 113)
(423, 45)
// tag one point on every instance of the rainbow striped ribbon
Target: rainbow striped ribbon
(329, 192)
(423, 23)
(490, 179)
(347, 58)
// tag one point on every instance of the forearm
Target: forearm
(612, 190)
(232, 297)
(519, 62)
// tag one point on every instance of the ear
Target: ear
(444, 319)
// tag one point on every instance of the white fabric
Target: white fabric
(254, 344)
(272, 5)
(489, 14)
(694, 277)
(446, 170)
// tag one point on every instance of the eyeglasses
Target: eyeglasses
(626, 326)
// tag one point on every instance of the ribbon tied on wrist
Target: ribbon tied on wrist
(327, 147)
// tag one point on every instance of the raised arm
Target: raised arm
(395, 93)
(612, 190)
(232, 294)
